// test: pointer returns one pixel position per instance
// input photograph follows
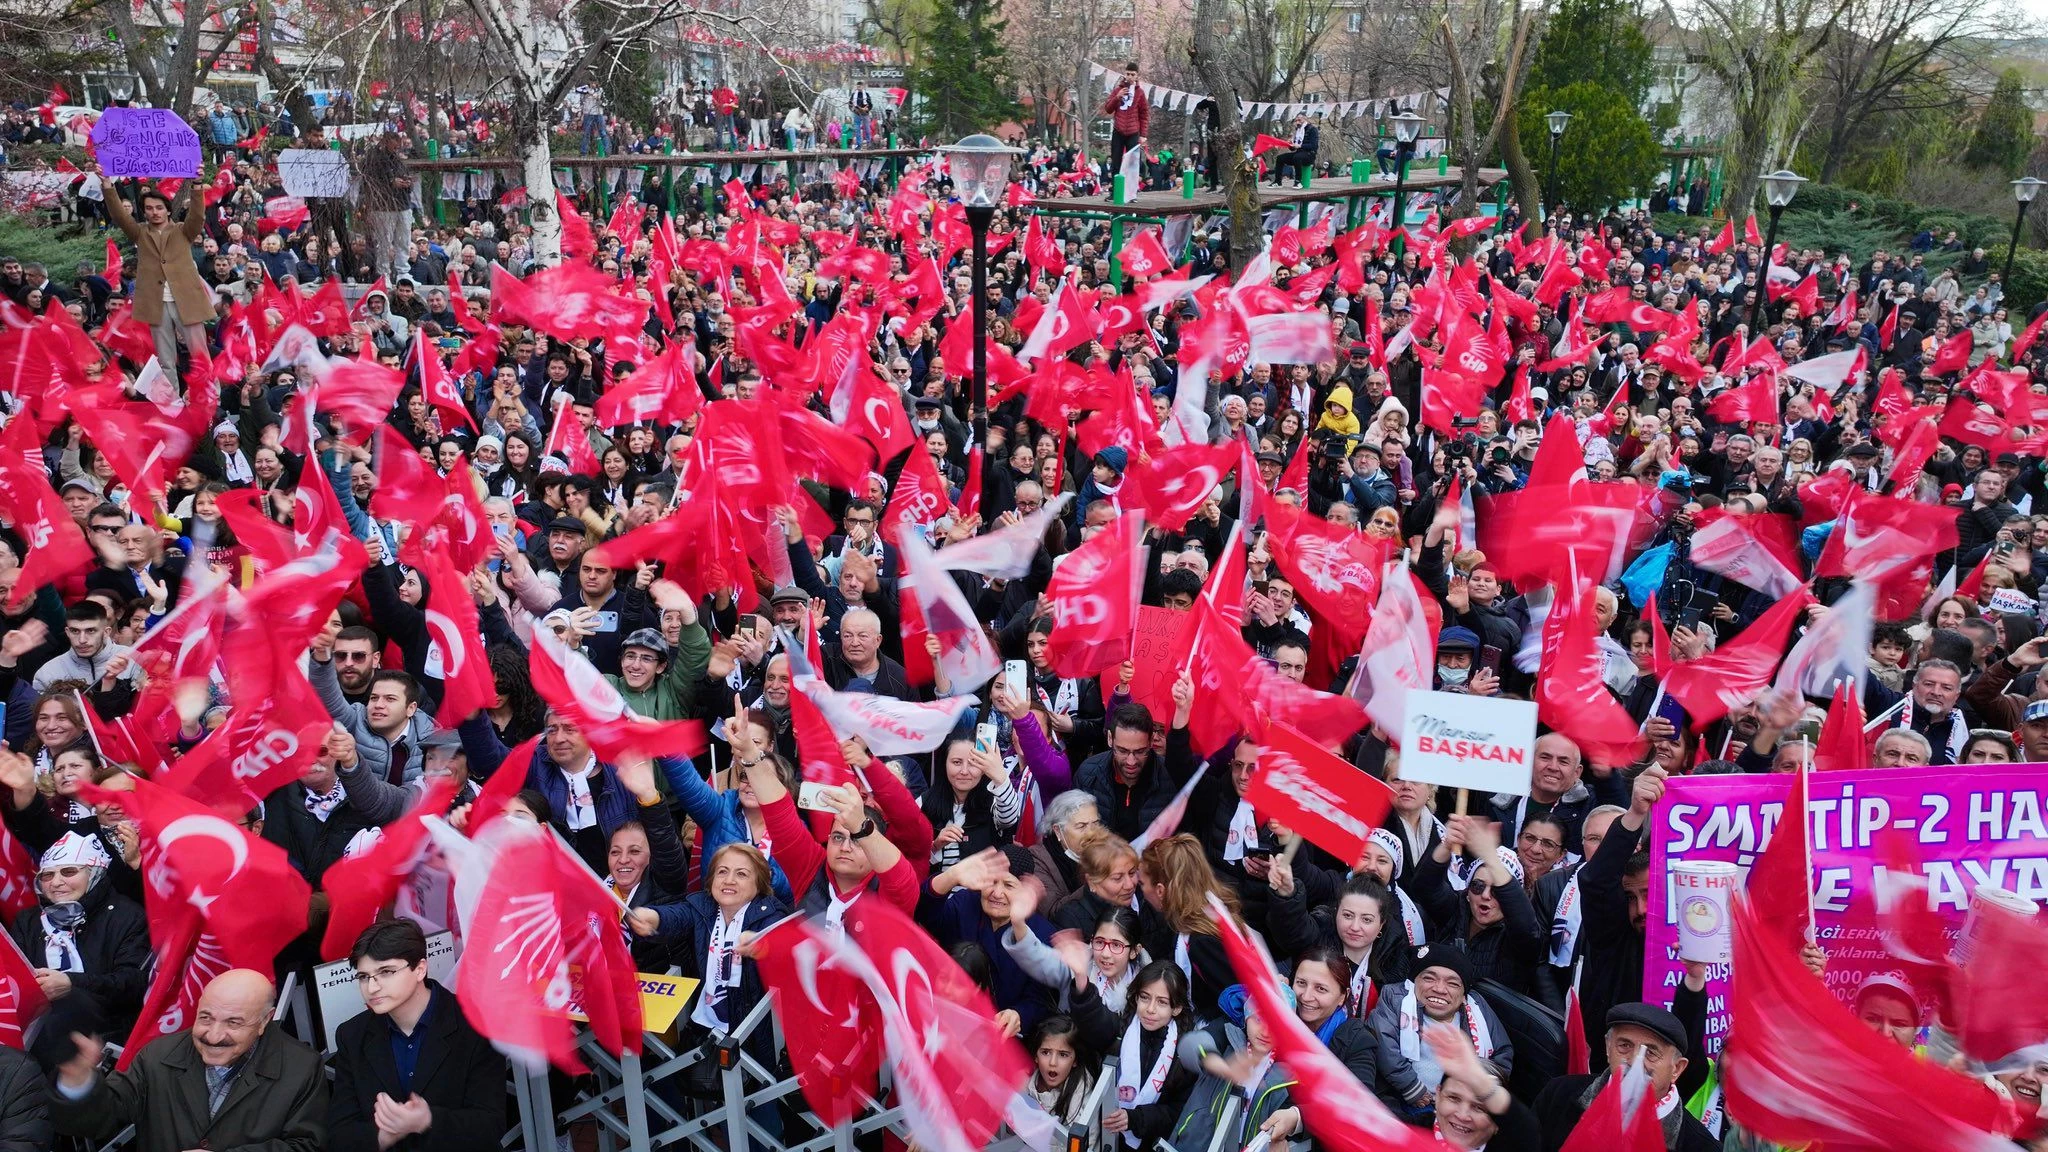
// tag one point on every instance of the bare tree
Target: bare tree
(1476, 57)
(1234, 172)
(1759, 51)
(173, 52)
(1901, 57)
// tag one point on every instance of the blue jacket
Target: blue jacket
(613, 804)
(718, 816)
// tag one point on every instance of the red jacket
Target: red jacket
(1131, 119)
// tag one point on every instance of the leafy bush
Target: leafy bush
(32, 240)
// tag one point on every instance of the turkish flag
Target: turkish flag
(954, 1072)
(55, 546)
(575, 689)
(126, 336)
(1571, 695)
(1877, 535)
(144, 441)
(407, 488)
(232, 900)
(577, 240)
(569, 300)
(1094, 594)
(1066, 324)
(828, 1019)
(1173, 484)
(1324, 797)
(1734, 673)
(1841, 744)
(1974, 423)
(467, 686)
(1237, 691)
(1342, 1113)
(362, 886)
(17, 875)
(326, 313)
(1143, 255)
(820, 450)
(1952, 356)
(1799, 1068)
(1622, 1118)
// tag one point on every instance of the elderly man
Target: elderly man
(229, 1081)
(1929, 709)
(1659, 1039)
(1560, 789)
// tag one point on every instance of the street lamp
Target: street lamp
(1557, 121)
(1407, 126)
(1779, 189)
(2023, 191)
(980, 166)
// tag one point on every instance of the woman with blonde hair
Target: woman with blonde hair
(1108, 869)
(1177, 880)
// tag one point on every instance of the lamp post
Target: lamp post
(1407, 126)
(2023, 191)
(1557, 122)
(980, 166)
(1779, 189)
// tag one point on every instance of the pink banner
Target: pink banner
(1983, 824)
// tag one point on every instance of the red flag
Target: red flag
(1067, 324)
(1324, 797)
(1343, 1113)
(1398, 656)
(1622, 1118)
(1780, 884)
(918, 499)
(1889, 329)
(606, 988)
(1173, 484)
(827, 1018)
(577, 240)
(1236, 691)
(1877, 535)
(1952, 356)
(970, 488)
(2027, 338)
(111, 273)
(439, 387)
(1335, 572)
(1295, 475)
(1733, 674)
(17, 875)
(1974, 423)
(569, 442)
(1094, 595)
(359, 887)
(1799, 1068)
(325, 313)
(1750, 236)
(21, 998)
(451, 618)
(1841, 744)
(567, 682)
(1725, 240)
(1571, 695)
(515, 985)
(1578, 1059)
(1998, 1011)
(407, 488)
(955, 1074)
(820, 450)
(566, 301)
(663, 390)
(207, 879)
(56, 547)
(1143, 255)
(1755, 400)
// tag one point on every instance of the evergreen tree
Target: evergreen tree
(2005, 132)
(1609, 153)
(960, 76)
(1597, 42)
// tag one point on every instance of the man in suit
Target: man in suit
(410, 1073)
(229, 1081)
(1306, 140)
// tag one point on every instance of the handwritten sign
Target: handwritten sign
(313, 172)
(145, 142)
(340, 1001)
(1152, 667)
(1477, 742)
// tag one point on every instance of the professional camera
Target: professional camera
(1463, 447)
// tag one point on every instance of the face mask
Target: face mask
(1453, 676)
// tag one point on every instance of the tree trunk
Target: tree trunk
(1527, 188)
(537, 161)
(1234, 172)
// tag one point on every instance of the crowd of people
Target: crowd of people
(1064, 840)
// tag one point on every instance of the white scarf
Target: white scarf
(1411, 1025)
(835, 906)
(1244, 829)
(60, 951)
(721, 970)
(1131, 1092)
(235, 467)
(1114, 993)
(582, 808)
(1411, 918)
(1130, 95)
(322, 805)
(1958, 732)
(1361, 986)
(1180, 956)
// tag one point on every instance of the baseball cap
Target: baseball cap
(2036, 710)
(86, 483)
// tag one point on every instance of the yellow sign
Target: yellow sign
(662, 998)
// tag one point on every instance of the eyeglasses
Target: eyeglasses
(107, 529)
(1113, 947)
(1542, 841)
(379, 975)
(1131, 754)
(351, 657)
(850, 521)
(67, 872)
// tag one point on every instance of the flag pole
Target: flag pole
(1885, 716)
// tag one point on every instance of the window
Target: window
(1315, 63)
(1355, 23)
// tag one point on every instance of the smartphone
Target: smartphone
(754, 622)
(1015, 677)
(1489, 658)
(985, 737)
(814, 797)
(1262, 587)
(1673, 712)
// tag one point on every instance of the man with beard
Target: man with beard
(356, 661)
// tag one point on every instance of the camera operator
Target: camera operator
(1329, 470)
(1499, 472)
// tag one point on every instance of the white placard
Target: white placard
(1479, 742)
(335, 984)
(313, 172)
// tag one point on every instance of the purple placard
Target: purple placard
(145, 142)
(1987, 823)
